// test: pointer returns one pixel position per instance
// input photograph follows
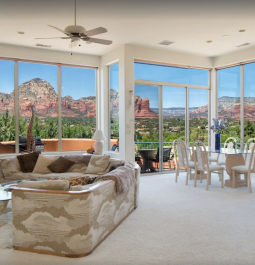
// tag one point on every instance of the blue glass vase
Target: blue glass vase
(217, 141)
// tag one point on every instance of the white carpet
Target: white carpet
(173, 224)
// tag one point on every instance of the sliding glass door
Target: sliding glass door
(174, 120)
(147, 127)
(164, 114)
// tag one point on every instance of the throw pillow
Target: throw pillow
(77, 181)
(27, 161)
(10, 166)
(42, 164)
(60, 165)
(98, 164)
(116, 166)
(45, 185)
(81, 162)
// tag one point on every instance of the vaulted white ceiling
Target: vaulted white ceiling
(189, 24)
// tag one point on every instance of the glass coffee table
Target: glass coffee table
(6, 195)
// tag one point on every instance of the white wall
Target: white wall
(234, 57)
(48, 55)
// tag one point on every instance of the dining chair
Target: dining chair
(202, 164)
(180, 152)
(248, 147)
(246, 170)
(230, 143)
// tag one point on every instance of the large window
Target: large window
(114, 106)
(198, 115)
(161, 111)
(38, 86)
(170, 74)
(229, 100)
(78, 91)
(7, 117)
(43, 106)
(249, 101)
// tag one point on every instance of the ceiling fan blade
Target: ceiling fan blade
(73, 43)
(53, 38)
(60, 30)
(96, 31)
(99, 41)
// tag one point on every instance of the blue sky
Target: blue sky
(76, 82)
(114, 77)
(80, 82)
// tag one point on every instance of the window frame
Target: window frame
(16, 98)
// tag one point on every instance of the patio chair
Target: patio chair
(202, 164)
(166, 157)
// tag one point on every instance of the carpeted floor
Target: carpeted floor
(173, 224)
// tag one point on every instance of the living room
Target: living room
(137, 79)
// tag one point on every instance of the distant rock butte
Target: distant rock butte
(142, 108)
(44, 97)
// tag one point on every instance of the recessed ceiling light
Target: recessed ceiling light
(21, 32)
(242, 30)
(224, 36)
(209, 41)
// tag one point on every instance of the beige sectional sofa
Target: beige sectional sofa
(69, 223)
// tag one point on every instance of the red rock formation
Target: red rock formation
(142, 108)
(44, 97)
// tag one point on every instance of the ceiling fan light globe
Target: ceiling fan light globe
(75, 29)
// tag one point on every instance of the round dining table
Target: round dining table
(147, 164)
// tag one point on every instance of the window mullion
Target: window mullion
(59, 111)
(16, 108)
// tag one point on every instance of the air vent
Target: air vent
(243, 45)
(166, 42)
(43, 45)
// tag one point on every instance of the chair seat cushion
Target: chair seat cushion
(215, 167)
(213, 159)
(191, 164)
(240, 168)
(221, 163)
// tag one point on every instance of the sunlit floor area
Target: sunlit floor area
(173, 224)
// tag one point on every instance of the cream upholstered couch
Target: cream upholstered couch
(69, 223)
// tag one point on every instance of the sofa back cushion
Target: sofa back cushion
(27, 161)
(81, 162)
(42, 164)
(45, 185)
(98, 164)
(10, 166)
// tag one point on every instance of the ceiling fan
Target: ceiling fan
(76, 33)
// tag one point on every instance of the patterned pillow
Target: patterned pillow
(42, 164)
(98, 164)
(81, 162)
(10, 166)
(27, 161)
(61, 165)
(116, 166)
(77, 181)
